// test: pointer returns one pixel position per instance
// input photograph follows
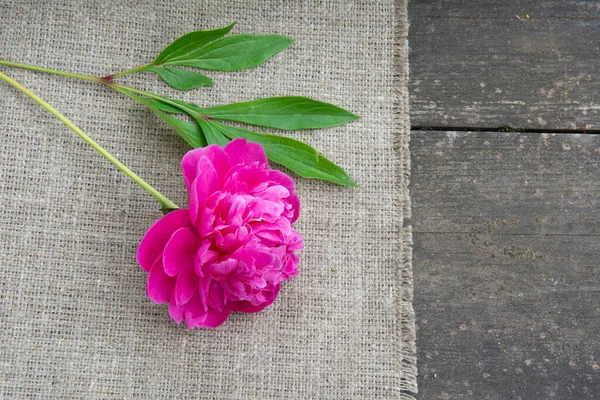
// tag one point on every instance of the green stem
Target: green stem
(124, 89)
(165, 203)
(50, 71)
(132, 70)
(105, 80)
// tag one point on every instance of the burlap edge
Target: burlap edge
(405, 315)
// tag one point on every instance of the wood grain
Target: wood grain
(507, 278)
(487, 64)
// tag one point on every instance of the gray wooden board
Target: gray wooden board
(506, 264)
(475, 64)
(582, 9)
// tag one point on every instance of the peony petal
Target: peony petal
(293, 205)
(198, 315)
(291, 266)
(236, 290)
(204, 256)
(237, 210)
(276, 192)
(158, 235)
(214, 153)
(278, 233)
(186, 286)
(242, 152)
(247, 307)
(203, 288)
(180, 251)
(195, 316)
(219, 159)
(262, 259)
(205, 184)
(258, 282)
(176, 310)
(267, 210)
(272, 275)
(216, 297)
(280, 178)
(295, 241)
(271, 236)
(224, 267)
(215, 318)
(243, 233)
(194, 312)
(159, 285)
(256, 180)
(208, 213)
(234, 240)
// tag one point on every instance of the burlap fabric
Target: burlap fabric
(75, 318)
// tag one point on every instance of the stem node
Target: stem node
(108, 79)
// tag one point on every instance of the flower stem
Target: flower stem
(107, 80)
(50, 71)
(124, 89)
(132, 70)
(165, 203)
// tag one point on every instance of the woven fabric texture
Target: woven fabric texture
(75, 318)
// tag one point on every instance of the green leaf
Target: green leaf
(189, 106)
(180, 79)
(155, 103)
(191, 42)
(295, 155)
(233, 53)
(212, 133)
(189, 131)
(289, 113)
(160, 105)
(181, 107)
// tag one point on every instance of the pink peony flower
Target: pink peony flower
(233, 247)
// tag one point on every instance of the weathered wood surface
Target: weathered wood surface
(506, 264)
(486, 64)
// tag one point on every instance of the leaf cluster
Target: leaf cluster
(212, 50)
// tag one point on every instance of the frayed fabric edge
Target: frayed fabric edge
(405, 315)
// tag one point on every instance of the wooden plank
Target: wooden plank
(506, 264)
(475, 64)
(535, 9)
